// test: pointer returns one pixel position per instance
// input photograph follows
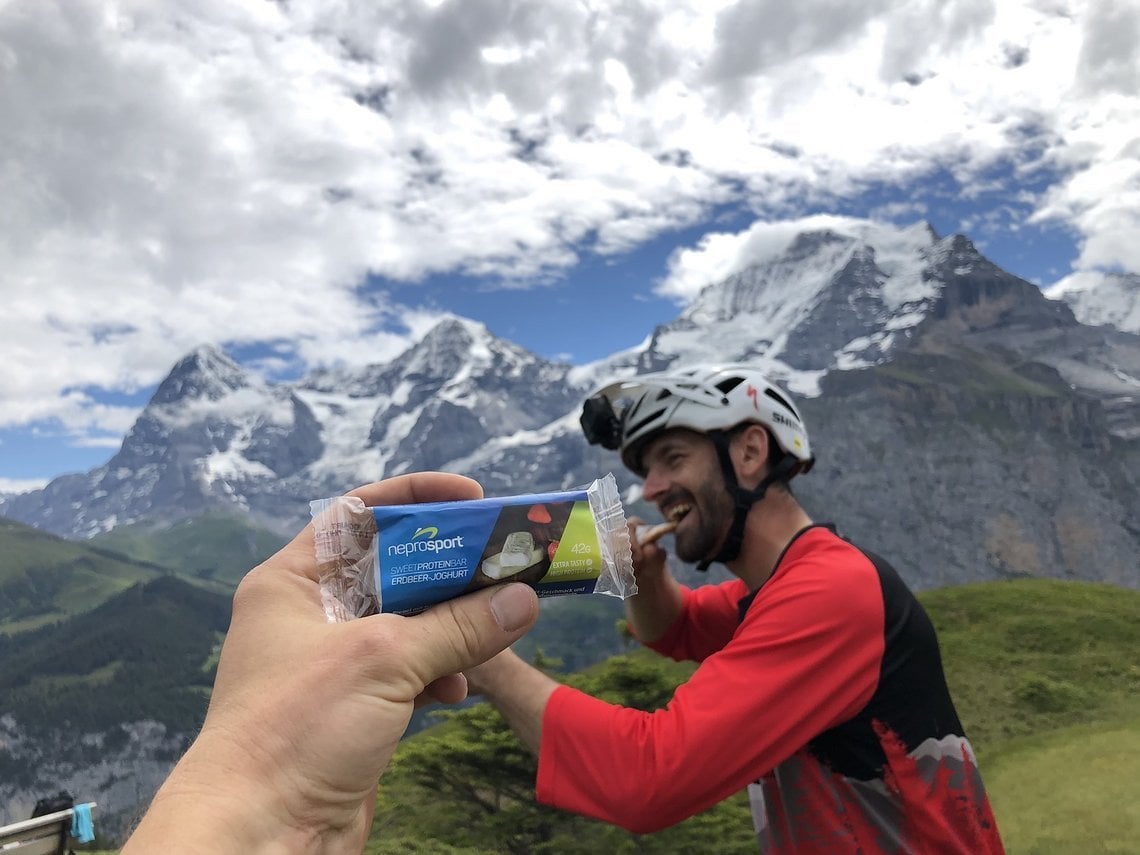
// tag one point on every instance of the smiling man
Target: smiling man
(820, 687)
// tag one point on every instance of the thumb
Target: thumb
(467, 631)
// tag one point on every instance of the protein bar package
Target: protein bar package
(404, 558)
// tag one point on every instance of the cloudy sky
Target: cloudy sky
(309, 181)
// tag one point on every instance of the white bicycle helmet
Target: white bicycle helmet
(704, 398)
(711, 399)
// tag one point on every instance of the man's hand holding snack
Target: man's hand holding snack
(658, 601)
(648, 557)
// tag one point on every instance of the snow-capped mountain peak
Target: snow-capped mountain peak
(204, 373)
(457, 343)
(444, 349)
(840, 296)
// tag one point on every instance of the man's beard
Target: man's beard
(714, 508)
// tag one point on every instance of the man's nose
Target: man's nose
(653, 486)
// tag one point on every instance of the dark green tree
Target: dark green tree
(468, 784)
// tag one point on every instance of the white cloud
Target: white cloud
(15, 486)
(719, 255)
(176, 172)
(1109, 59)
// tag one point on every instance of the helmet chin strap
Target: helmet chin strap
(742, 499)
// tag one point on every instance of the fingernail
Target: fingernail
(511, 606)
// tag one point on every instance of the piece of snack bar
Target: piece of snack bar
(650, 534)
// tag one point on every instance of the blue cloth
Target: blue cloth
(82, 828)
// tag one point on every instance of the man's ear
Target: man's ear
(751, 453)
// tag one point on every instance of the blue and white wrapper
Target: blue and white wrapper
(404, 558)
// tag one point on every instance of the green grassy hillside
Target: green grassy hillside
(1046, 676)
(44, 578)
(216, 547)
(1033, 655)
(1073, 791)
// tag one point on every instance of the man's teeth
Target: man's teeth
(678, 511)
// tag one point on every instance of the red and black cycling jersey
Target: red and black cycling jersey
(822, 693)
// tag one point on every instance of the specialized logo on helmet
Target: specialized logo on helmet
(753, 393)
(431, 542)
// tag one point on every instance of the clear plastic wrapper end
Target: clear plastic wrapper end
(404, 558)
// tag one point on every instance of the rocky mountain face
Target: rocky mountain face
(1009, 473)
(914, 354)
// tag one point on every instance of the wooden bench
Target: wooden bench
(45, 835)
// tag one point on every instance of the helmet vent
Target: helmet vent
(728, 384)
(775, 396)
(631, 430)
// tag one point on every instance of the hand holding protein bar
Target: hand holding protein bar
(284, 713)
(402, 559)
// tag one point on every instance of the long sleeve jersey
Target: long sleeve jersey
(822, 693)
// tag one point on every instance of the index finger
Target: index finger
(419, 487)
(299, 555)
